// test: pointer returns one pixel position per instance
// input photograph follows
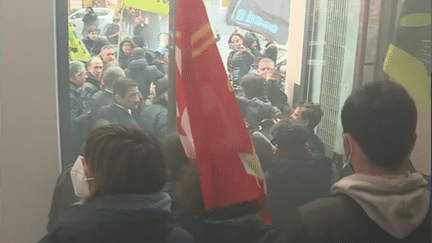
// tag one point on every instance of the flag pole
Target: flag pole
(172, 112)
(120, 33)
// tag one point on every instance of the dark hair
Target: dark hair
(311, 111)
(121, 86)
(289, 136)
(253, 85)
(110, 75)
(235, 34)
(138, 40)
(124, 159)
(91, 9)
(138, 52)
(161, 86)
(92, 28)
(381, 117)
(271, 52)
(248, 40)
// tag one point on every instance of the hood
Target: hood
(126, 39)
(248, 40)
(398, 204)
(137, 64)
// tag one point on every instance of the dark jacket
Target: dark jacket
(340, 219)
(93, 80)
(118, 219)
(315, 144)
(161, 66)
(80, 118)
(277, 98)
(100, 42)
(89, 88)
(255, 110)
(88, 43)
(295, 182)
(100, 99)
(238, 64)
(247, 229)
(89, 19)
(110, 30)
(144, 74)
(113, 114)
(154, 119)
(143, 31)
(123, 58)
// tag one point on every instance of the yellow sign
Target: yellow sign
(160, 7)
(77, 50)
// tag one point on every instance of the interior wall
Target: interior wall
(29, 137)
(295, 47)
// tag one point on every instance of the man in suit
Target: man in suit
(105, 97)
(125, 99)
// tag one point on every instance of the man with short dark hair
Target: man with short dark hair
(125, 99)
(295, 177)
(92, 34)
(380, 202)
(309, 115)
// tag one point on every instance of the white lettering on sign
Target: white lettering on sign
(250, 18)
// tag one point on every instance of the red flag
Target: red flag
(211, 126)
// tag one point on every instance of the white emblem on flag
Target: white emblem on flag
(251, 164)
(187, 140)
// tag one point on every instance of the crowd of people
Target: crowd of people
(134, 182)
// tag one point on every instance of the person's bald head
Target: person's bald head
(110, 75)
(265, 65)
(94, 67)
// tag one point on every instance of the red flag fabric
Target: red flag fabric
(211, 126)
